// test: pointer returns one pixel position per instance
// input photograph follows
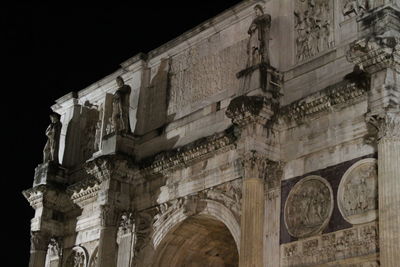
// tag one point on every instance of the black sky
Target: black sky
(51, 50)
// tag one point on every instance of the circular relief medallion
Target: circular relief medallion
(308, 207)
(358, 192)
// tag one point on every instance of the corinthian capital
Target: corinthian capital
(257, 165)
(244, 110)
(387, 125)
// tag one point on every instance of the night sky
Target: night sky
(49, 51)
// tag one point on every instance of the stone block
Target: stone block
(49, 172)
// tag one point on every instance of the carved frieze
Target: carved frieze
(358, 192)
(308, 207)
(333, 247)
(314, 28)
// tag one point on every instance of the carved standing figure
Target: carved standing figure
(50, 151)
(120, 112)
(258, 44)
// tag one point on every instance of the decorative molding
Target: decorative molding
(84, 190)
(188, 154)
(350, 243)
(376, 52)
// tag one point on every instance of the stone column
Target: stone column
(252, 215)
(378, 53)
(252, 115)
(107, 256)
(388, 127)
(39, 243)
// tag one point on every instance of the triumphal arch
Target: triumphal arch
(269, 135)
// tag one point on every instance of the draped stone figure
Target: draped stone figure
(50, 151)
(258, 44)
(120, 112)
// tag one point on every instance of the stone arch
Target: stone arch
(212, 234)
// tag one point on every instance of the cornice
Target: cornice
(84, 190)
(325, 100)
(188, 154)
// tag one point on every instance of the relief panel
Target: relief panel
(314, 28)
(358, 192)
(309, 207)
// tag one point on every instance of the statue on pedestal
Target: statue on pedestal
(258, 44)
(120, 111)
(50, 151)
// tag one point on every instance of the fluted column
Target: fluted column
(388, 127)
(252, 216)
(39, 243)
(253, 117)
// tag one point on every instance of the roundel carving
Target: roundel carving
(358, 192)
(308, 207)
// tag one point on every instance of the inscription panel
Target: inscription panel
(195, 77)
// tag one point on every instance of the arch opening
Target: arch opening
(198, 241)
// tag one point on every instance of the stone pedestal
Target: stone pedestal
(117, 143)
(49, 172)
(252, 221)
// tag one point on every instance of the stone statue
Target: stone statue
(50, 151)
(258, 44)
(120, 112)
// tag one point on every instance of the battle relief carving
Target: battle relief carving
(313, 27)
(308, 207)
(358, 192)
(356, 242)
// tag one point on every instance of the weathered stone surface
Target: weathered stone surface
(252, 140)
